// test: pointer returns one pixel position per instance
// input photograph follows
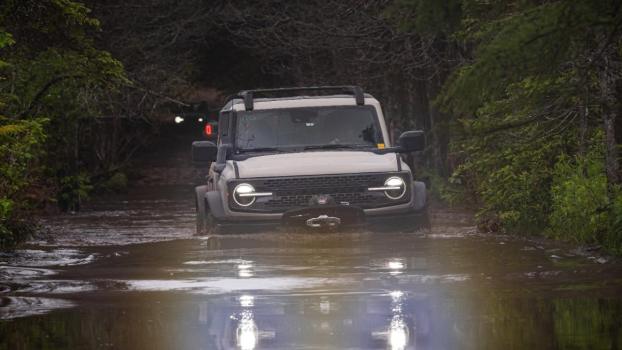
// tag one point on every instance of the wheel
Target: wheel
(201, 222)
(204, 219)
(421, 205)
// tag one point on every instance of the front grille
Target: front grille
(356, 199)
(297, 192)
(322, 184)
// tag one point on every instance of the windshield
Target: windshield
(308, 128)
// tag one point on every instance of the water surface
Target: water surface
(127, 274)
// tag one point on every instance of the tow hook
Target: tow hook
(324, 221)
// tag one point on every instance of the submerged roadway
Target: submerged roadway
(127, 273)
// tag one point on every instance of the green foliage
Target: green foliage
(116, 183)
(20, 147)
(613, 239)
(579, 197)
(524, 103)
(75, 12)
(6, 210)
(514, 47)
(512, 180)
(52, 75)
(73, 190)
(450, 191)
(509, 152)
(6, 39)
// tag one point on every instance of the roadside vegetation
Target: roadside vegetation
(51, 78)
(535, 111)
(520, 99)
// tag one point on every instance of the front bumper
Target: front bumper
(406, 216)
(350, 217)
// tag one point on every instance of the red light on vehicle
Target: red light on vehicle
(208, 129)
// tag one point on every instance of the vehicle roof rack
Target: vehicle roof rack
(249, 95)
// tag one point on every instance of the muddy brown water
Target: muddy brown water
(127, 274)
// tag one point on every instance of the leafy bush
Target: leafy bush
(74, 189)
(20, 149)
(116, 183)
(51, 73)
(579, 197)
(511, 179)
(449, 191)
(582, 211)
(613, 240)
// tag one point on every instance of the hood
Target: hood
(316, 163)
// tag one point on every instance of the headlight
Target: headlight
(395, 188)
(243, 195)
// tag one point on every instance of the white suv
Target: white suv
(317, 160)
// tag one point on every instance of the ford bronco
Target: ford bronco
(318, 157)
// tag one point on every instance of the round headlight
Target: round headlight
(398, 187)
(242, 195)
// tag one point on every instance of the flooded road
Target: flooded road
(128, 274)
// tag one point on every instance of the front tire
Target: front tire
(421, 205)
(202, 214)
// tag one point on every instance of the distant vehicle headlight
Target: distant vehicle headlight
(243, 195)
(395, 187)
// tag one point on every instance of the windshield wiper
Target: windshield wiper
(260, 149)
(333, 146)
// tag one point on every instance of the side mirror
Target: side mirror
(204, 152)
(411, 141)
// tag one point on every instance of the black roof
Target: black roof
(248, 96)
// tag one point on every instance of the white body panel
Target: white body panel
(316, 163)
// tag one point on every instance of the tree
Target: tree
(544, 76)
(51, 75)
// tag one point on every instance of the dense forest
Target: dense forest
(519, 98)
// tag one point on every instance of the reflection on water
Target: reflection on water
(283, 322)
(291, 323)
(397, 335)
(245, 270)
(398, 330)
(247, 334)
(395, 266)
(12, 307)
(51, 257)
(333, 314)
